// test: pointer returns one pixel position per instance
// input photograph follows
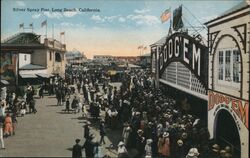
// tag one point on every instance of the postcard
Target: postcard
(125, 78)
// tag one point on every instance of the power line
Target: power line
(194, 17)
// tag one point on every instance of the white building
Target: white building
(228, 84)
(75, 57)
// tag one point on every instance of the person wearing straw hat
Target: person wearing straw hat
(180, 149)
(192, 153)
(140, 143)
(166, 145)
(122, 151)
(215, 152)
(126, 132)
(148, 148)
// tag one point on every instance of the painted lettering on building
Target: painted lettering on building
(181, 47)
(237, 106)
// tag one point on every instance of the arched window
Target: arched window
(58, 57)
(229, 65)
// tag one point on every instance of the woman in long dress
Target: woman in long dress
(8, 129)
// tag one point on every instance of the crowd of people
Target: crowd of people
(154, 125)
(13, 106)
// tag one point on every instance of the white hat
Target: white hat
(149, 141)
(165, 134)
(196, 152)
(180, 142)
(159, 126)
(191, 152)
(120, 143)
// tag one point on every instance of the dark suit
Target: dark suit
(77, 151)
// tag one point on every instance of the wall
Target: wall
(230, 33)
(22, 60)
(39, 57)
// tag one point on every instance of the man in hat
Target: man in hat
(140, 143)
(86, 130)
(192, 153)
(102, 132)
(215, 152)
(122, 151)
(89, 147)
(180, 153)
(148, 148)
(77, 150)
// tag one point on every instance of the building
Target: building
(126, 59)
(102, 58)
(75, 57)
(229, 76)
(145, 60)
(179, 66)
(26, 58)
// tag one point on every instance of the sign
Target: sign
(235, 106)
(8, 69)
(180, 47)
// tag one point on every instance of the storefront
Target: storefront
(228, 81)
(180, 67)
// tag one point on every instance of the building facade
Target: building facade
(28, 58)
(75, 57)
(229, 76)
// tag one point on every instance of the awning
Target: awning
(44, 75)
(5, 82)
(28, 75)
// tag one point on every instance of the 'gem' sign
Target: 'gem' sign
(239, 107)
(180, 47)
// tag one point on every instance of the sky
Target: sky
(110, 27)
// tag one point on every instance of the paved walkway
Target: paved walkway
(50, 133)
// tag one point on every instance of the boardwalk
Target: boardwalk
(49, 133)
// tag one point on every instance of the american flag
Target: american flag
(140, 47)
(21, 25)
(44, 23)
(165, 15)
(62, 33)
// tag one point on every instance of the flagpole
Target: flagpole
(53, 31)
(46, 27)
(64, 37)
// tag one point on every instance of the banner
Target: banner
(177, 19)
(180, 47)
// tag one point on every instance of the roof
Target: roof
(240, 6)
(146, 55)
(31, 67)
(23, 38)
(160, 42)
(129, 65)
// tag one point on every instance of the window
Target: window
(25, 57)
(229, 66)
(50, 55)
(236, 66)
(58, 57)
(220, 65)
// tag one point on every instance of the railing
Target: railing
(5, 40)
